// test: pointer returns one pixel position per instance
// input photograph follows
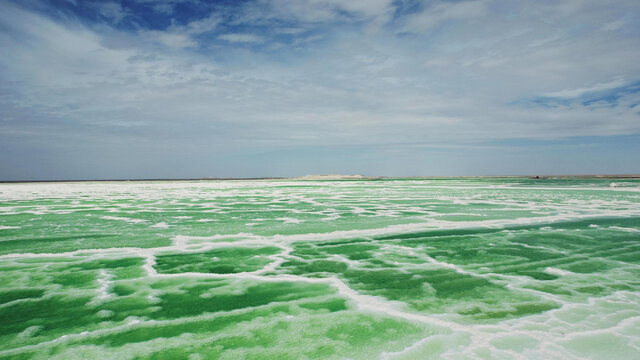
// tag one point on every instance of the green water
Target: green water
(507, 268)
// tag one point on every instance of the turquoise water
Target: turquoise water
(506, 268)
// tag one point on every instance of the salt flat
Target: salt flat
(507, 268)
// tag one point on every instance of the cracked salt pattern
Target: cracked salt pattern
(508, 268)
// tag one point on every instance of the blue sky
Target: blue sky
(188, 88)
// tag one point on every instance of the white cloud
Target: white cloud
(166, 9)
(356, 88)
(574, 93)
(182, 36)
(241, 38)
(198, 27)
(113, 11)
(317, 11)
(371, 8)
(613, 25)
(172, 39)
(439, 12)
(290, 30)
(162, 6)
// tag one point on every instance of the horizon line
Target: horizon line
(333, 177)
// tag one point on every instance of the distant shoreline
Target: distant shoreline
(340, 178)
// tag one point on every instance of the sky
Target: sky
(268, 88)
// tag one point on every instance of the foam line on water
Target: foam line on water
(4, 227)
(627, 229)
(120, 218)
(161, 225)
(557, 272)
(104, 280)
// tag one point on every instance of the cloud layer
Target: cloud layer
(282, 87)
